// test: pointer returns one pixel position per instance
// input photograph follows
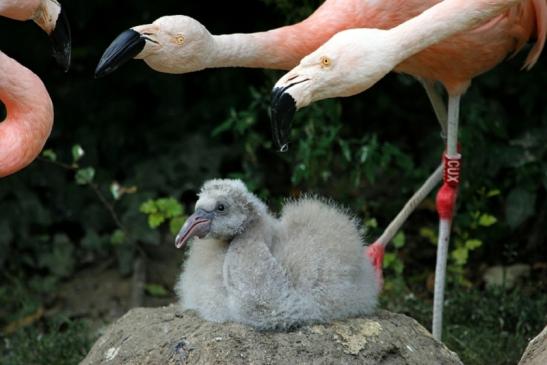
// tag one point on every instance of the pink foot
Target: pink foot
(375, 253)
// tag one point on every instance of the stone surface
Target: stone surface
(536, 351)
(151, 336)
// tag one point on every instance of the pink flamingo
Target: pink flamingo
(29, 109)
(415, 47)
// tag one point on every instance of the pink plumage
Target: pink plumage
(29, 109)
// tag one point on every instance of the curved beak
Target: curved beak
(282, 109)
(61, 41)
(198, 224)
(125, 47)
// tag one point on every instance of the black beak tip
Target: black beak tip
(61, 40)
(126, 46)
(283, 107)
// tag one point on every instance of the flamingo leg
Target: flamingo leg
(446, 199)
(437, 103)
(375, 251)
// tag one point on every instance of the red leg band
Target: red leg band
(446, 198)
(448, 193)
(452, 168)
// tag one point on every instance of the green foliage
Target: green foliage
(163, 209)
(493, 327)
(392, 262)
(60, 342)
(482, 326)
(155, 290)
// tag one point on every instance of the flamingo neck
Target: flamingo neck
(283, 48)
(254, 50)
(19, 10)
(444, 20)
(29, 116)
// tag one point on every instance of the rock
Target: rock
(151, 336)
(536, 351)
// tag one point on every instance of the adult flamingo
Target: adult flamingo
(28, 106)
(372, 53)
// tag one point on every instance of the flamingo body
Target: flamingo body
(29, 108)
(29, 115)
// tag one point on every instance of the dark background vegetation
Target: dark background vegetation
(148, 135)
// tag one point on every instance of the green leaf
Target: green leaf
(156, 290)
(50, 155)
(117, 237)
(472, 244)
(519, 206)
(486, 220)
(60, 257)
(363, 155)
(428, 234)
(116, 190)
(389, 258)
(493, 192)
(371, 223)
(399, 240)
(148, 207)
(346, 152)
(77, 153)
(92, 241)
(169, 206)
(155, 219)
(460, 255)
(176, 224)
(85, 176)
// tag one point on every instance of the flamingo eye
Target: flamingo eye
(179, 39)
(220, 207)
(325, 62)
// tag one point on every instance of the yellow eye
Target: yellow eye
(325, 61)
(179, 39)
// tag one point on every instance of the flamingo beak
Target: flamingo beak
(125, 47)
(282, 109)
(198, 224)
(61, 41)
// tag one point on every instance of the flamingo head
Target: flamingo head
(349, 63)
(51, 17)
(225, 209)
(173, 44)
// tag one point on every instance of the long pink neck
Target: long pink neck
(444, 20)
(284, 47)
(29, 116)
(18, 9)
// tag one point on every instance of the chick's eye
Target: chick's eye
(325, 61)
(220, 207)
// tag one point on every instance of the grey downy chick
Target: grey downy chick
(245, 265)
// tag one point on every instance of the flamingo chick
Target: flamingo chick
(248, 266)
(354, 60)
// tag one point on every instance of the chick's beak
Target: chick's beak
(198, 224)
(282, 109)
(125, 47)
(61, 41)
